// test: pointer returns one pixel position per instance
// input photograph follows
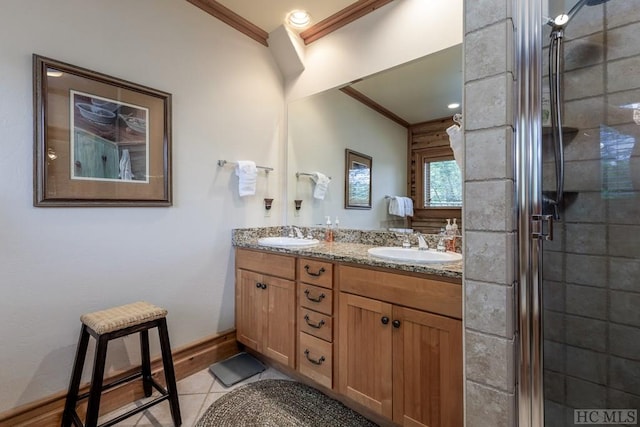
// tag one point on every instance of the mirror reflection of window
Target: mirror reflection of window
(442, 184)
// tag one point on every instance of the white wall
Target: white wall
(56, 263)
(321, 127)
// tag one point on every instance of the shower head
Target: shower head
(561, 21)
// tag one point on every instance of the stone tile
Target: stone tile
(199, 382)
(586, 113)
(492, 206)
(622, 400)
(553, 265)
(488, 154)
(582, 176)
(615, 113)
(160, 415)
(586, 207)
(553, 295)
(586, 270)
(490, 360)
(583, 52)
(554, 326)
(490, 100)
(623, 42)
(624, 273)
(623, 74)
(488, 257)
(484, 51)
(489, 308)
(621, 13)
(622, 241)
(554, 386)
(558, 242)
(583, 145)
(587, 239)
(625, 210)
(554, 356)
(482, 14)
(588, 21)
(624, 375)
(554, 414)
(129, 422)
(584, 394)
(623, 308)
(584, 82)
(488, 407)
(587, 301)
(587, 364)
(624, 341)
(586, 333)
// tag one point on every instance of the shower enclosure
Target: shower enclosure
(578, 172)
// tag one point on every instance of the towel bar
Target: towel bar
(224, 162)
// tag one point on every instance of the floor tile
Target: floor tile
(160, 415)
(199, 382)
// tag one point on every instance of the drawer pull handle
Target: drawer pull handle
(313, 325)
(315, 362)
(307, 267)
(396, 324)
(384, 320)
(319, 299)
(261, 285)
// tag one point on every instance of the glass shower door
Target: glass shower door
(591, 269)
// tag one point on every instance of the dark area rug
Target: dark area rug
(279, 403)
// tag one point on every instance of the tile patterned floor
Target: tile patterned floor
(196, 393)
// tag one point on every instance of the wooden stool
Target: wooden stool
(113, 323)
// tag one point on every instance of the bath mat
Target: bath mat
(280, 403)
(236, 368)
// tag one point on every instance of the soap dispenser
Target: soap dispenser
(328, 234)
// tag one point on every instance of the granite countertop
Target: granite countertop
(351, 252)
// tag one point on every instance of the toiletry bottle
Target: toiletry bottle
(455, 233)
(441, 241)
(328, 234)
(448, 235)
(336, 224)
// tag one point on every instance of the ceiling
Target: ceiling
(415, 92)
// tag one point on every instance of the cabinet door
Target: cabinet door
(280, 332)
(365, 352)
(250, 314)
(427, 369)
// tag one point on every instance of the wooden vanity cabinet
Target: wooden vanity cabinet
(395, 357)
(265, 304)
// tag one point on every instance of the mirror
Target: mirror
(322, 126)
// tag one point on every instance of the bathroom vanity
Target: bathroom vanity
(387, 335)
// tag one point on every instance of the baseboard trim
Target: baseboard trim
(187, 360)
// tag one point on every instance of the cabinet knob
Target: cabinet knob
(307, 267)
(396, 324)
(384, 320)
(264, 286)
(258, 285)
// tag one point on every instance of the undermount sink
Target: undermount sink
(287, 242)
(414, 255)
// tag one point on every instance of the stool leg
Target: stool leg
(76, 375)
(93, 406)
(146, 362)
(169, 374)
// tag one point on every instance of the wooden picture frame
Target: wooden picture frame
(99, 140)
(357, 180)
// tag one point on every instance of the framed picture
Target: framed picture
(357, 173)
(99, 141)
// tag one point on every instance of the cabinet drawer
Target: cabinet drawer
(266, 263)
(316, 359)
(316, 324)
(316, 298)
(315, 272)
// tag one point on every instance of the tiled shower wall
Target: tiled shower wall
(592, 270)
(489, 215)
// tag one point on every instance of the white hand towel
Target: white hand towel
(408, 206)
(396, 206)
(322, 183)
(247, 174)
(455, 140)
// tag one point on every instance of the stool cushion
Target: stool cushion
(116, 318)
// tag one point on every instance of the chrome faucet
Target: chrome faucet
(299, 234)
(422, 243)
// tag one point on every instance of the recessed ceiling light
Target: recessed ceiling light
(299, 18)
(453, 105)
